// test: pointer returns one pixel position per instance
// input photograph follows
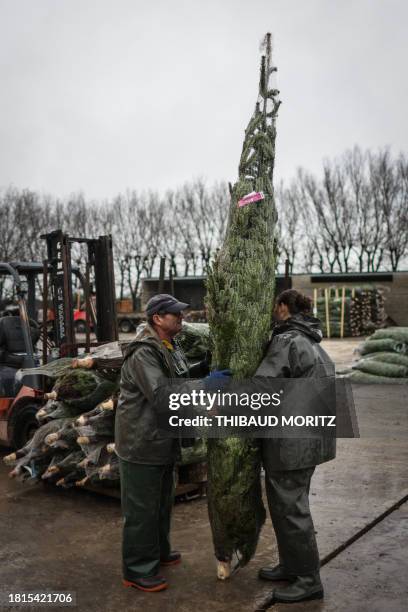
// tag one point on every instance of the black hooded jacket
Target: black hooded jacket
(295, 352)
(137, 437)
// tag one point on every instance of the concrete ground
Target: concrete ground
(343, 352)
(70, 540)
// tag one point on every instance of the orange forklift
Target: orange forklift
(22, 395)
(19, 403)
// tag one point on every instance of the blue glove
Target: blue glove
(217, 379)
(219, 374)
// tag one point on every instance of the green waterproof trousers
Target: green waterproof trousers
(147, 493)
(288, 501)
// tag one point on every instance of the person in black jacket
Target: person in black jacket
(13, 350)
(146, 458)
(294, 352)
(12, 344)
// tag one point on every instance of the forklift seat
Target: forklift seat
(12, 347)
(9, 386)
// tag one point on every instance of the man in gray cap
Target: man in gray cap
(147, 459)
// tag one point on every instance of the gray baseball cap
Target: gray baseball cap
(162, 303)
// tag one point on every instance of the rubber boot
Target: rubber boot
(303, 588)
(274, 573)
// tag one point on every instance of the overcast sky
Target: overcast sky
(105, 95)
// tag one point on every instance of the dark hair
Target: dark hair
(295, 301)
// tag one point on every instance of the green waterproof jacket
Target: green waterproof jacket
(146, 362)
(295, 352)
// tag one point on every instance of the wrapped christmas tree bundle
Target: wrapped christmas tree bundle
(71, 479)
(384, 358)
(335, 306)
(68, 464)
(100, 411)
(397, 358)
(74, 384)
(64, 438)
(381, 368)
(194, 340)
(110, 470)
(106, 359)
(62, 410)
(100, 464)
(96, 456)
(52, 407)
(89, 480)
(53, 471)
(378, 314)
(74, 392)
(74, 443)
(51, 371)
(367, 310)
(373, 379)
(35, 447)
(383, 344)
(399, 334)
(82, 390)
(99, 425)
(240, 299)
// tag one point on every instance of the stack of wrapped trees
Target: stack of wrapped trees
(334, 313)
(378, 314)
(240, 300)
(367, 311)
(384, 358)
(350, 312)
(74, 444)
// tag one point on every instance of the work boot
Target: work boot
(150, 584)
(274, 573)
(302, 588)
(174, 558)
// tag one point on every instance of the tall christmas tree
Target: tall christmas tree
(240, 296)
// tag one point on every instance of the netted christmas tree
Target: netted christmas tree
(239, 300)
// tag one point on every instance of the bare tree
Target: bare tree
(389, 192)
(321, 233)
(207, 213)
(290, 239)
(366, 215)
(354, 217)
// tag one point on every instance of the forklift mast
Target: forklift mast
(100, 258)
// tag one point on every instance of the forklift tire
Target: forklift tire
(25, 425)
(126, 326)
(80, 327)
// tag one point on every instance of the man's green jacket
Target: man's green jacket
(146, 362)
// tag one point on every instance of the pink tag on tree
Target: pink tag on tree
(250, 198)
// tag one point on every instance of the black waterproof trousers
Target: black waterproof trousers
(147, 493)
(288, 500)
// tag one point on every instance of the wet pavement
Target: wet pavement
(375, 567)
(70, 540)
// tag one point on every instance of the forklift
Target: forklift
(19, 402)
